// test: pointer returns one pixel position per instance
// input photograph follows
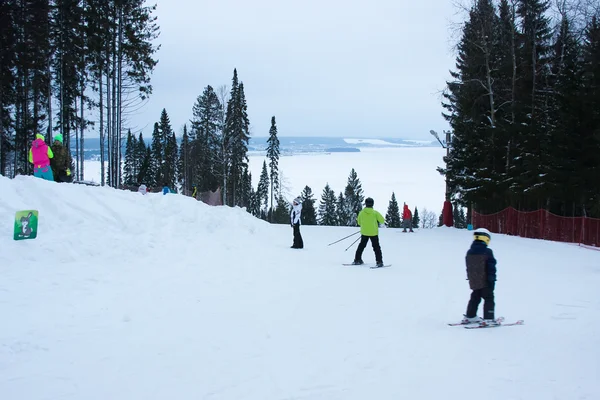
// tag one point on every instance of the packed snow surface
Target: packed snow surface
(124, 296)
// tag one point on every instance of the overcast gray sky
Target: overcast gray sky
(322, 67)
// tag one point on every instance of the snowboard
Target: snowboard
(26, 224)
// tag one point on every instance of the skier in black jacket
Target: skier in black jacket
(295, 223)
(481, 272)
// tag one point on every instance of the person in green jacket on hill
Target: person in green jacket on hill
(61, 163)
(368, 220)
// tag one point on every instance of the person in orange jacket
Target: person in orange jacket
(39, 155)
(407, 219)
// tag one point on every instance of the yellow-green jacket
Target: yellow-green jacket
(369, 220)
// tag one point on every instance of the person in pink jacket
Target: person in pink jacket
(39, 155)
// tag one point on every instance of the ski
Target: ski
(462, 323)
(519, 322)
(366, 265)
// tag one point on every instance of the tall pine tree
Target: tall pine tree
(273, 156)
(327, 208)
(205, 141)
(344, 214)
(392, 217)
(416, 219)
(354, 198)
(262, 191)
(184, 168)
(129, 170)
(309, 214)
(236, 134)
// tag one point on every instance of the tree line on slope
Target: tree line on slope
(69, 65)
(523, 105)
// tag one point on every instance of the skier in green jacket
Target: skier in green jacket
(368, 220)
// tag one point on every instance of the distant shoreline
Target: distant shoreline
(293, 144)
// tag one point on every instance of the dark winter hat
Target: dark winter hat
(369, 202)
(482, 234)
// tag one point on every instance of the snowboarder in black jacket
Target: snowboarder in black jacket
(481, 272)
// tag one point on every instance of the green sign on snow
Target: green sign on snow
(26, 224)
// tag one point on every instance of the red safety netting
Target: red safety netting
(541, 224)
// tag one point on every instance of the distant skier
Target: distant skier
(142, 189)
(295, 222)
(481, 272)
(40, 155)
(368, 219)
(407, 218)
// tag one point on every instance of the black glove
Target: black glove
(492, 284)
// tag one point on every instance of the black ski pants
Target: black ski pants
(298, 242)
(487, 294)
(363, 243)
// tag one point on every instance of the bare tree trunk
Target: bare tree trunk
(223, 96)
(185, 165)
(76, 145)
(223, 151)
(49, 105)
(61, 89)
(36, 112)
(513, 87)
(82, 156)
(26, 127)
(120, 96)
(115, 139)
(102, 171)
(108, 120)
(272, 195)
(533, 83)
(18, 113)
(490, 90)
(18, 121)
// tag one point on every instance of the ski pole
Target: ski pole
(352, 244)
(343, 238)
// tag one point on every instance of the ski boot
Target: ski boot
(489, 322)
(474, 320)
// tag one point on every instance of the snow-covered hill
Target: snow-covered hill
(124, 297)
